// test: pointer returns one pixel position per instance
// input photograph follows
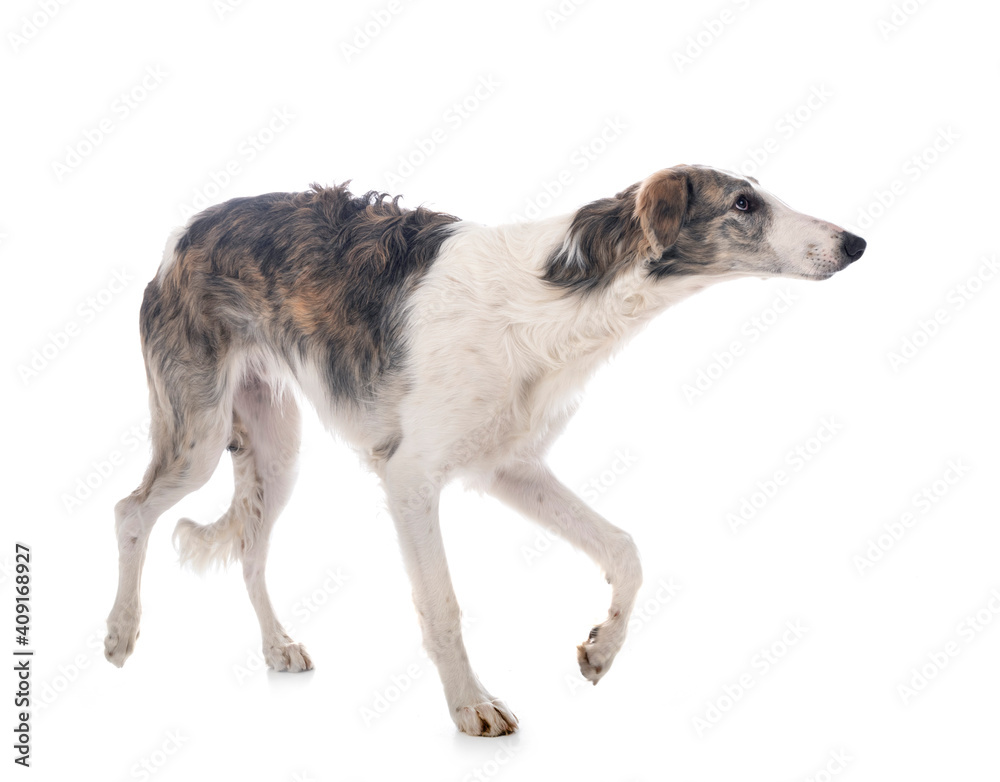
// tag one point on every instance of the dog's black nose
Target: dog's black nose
(854, 246)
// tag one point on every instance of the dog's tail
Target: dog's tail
(203, 545)
(264, 460)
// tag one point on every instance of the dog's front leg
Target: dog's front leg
(533, 490)
(413, 501)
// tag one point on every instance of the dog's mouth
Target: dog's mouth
(795, 274)
(817, 275)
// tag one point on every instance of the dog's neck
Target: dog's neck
(597, 324)
(569, 329)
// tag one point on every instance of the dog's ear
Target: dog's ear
(661, 205)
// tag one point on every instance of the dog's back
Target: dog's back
(319, 276)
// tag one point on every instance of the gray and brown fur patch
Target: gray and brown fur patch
(676, 221)
(714, 236)
(320, 275)
(603, 237)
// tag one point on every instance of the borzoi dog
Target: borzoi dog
(439, 349)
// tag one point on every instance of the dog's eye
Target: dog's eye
(742, 203)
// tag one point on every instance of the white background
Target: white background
(886, 84)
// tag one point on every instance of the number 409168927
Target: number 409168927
(22, 588)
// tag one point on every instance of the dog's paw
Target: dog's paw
(489, 718)
(596, 654)
(120, 640)
(285, 655)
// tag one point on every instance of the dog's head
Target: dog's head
(699, 220)
(696, 220)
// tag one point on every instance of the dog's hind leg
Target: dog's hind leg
(264, 445)
(533, 490)
(188, 436)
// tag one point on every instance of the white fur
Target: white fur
(169, 256)
(810, 245)
(498, 357)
